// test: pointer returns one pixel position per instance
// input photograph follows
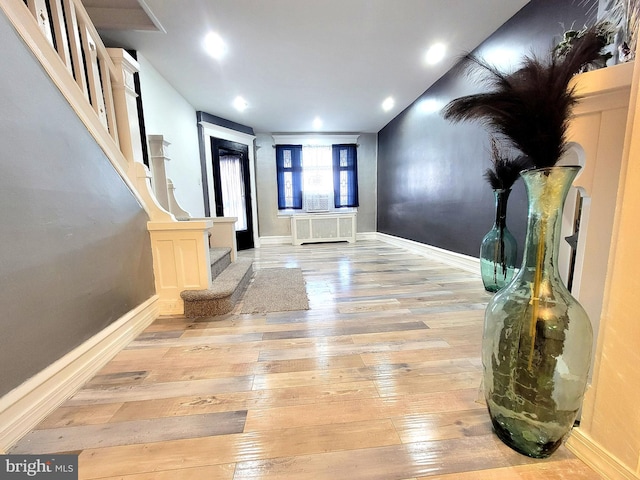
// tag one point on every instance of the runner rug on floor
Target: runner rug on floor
(276, 290)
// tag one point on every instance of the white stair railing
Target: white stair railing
(70, 31)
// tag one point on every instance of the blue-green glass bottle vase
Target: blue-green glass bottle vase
(536, 349)
(499, 249)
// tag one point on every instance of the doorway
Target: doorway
(231, 186)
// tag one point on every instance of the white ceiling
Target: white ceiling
(293, 60)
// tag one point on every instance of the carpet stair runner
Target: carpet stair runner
(229, 281)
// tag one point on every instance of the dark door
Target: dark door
(231, 184)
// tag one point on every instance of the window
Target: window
(309, 176)
(317, 178)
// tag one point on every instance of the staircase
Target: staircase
(229, 281)
(98, 83)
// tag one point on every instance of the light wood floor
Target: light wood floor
(377, 381)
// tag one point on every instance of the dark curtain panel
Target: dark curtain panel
(289, 168)
(345, 175)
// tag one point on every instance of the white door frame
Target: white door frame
(210, 130)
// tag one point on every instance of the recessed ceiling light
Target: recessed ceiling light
(435, 53)
(388, 104)
(317, 123)
(215, 45)
(240, 104)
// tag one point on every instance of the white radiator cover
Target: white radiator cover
(323, 227)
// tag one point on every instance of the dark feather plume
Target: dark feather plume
(505, 171)
(532, 106)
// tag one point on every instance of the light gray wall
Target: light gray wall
(75, 254)
(367, 181)
(272, 225)
(167, 113)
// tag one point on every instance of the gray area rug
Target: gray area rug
(276, 290)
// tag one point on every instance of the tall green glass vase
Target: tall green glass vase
(536, 348)
(498, 250)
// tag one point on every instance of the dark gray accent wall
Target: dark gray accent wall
(430, 183)
(75, 254)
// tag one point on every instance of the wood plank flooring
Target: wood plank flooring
(378, 380)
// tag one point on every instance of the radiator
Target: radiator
(323, 227)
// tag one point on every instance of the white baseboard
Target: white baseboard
(28, 404)
(458, 260)
(171, 306)
(275, 240)
(366, 236)
(600, 460)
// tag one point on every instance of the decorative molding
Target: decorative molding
(603, 80)
(158, 147)
(227, 133)
(28, 404)
(458, 260)
(599, 459)
(314, 139)
(603, 89)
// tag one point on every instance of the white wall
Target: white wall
(180, 129)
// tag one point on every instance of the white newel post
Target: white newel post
(143, 184)
(158, 154)
(126, 106)
(174, 206)
(181, 261)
